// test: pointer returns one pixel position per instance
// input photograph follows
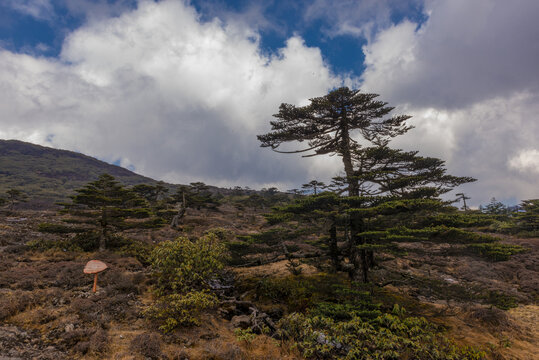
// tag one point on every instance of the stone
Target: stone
(241, 321)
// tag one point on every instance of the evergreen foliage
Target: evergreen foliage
(313, 187)
(152, 193)
(528, 220)
(329, 122)
(386, 187)
(494, 207)
(105, 206)
(388, 336)
(15, 196)
(197, 196)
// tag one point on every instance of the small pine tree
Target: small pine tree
(529, 219)
(105, 205)
(494, 207)
(463, 197)
(15, 196)
(313, 186)
(197, 195)
(152, 193)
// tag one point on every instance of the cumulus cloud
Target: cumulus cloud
(358, 18)
(469, 77)
(156, 88)
(465, 53)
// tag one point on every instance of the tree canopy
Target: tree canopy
(385, 187)
(105, 205)
(328, 125)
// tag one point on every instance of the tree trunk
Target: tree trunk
(103, 235)
(356, 256)
(364, 266)
(102, 240)
(333, 248)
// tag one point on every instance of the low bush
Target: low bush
(496, 251)
(86, 241)
(137, 249)
(387, 336)
(329, 295)
(69, 275)
(500, 300)
(182, 269)
(177, 310)
(148, 345)
(491, 316)
(183, 265)
(12, 303)
(221, 233)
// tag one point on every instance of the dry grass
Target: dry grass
(276, 269)
(47, 292)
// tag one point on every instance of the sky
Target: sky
(178, 90)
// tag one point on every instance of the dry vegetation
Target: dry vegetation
(47, 309)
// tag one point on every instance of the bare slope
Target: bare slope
(48, 175)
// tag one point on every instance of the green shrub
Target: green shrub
(328, 294)
(177, 310)
(272, 237)
(501, 300)
(246, 335)
(182, 269)
(347, 311)
(182, 265)
(496, 251)
(221, 233)
(384, 337)
(137, 249)
(46, 244)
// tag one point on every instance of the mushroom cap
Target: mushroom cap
(94, 266)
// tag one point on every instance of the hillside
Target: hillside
(48, 310)
(48, 175)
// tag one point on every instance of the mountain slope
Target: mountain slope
(48, 175)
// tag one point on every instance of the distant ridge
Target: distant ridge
(49, 175)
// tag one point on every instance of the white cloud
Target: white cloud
(465, 53)
(469, 77)
(525, 160)
(157, 88)
(348, 17)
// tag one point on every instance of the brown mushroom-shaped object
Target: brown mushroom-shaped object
(94, 267)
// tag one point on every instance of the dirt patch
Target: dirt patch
(276, 269)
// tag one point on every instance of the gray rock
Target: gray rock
(241, 321)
